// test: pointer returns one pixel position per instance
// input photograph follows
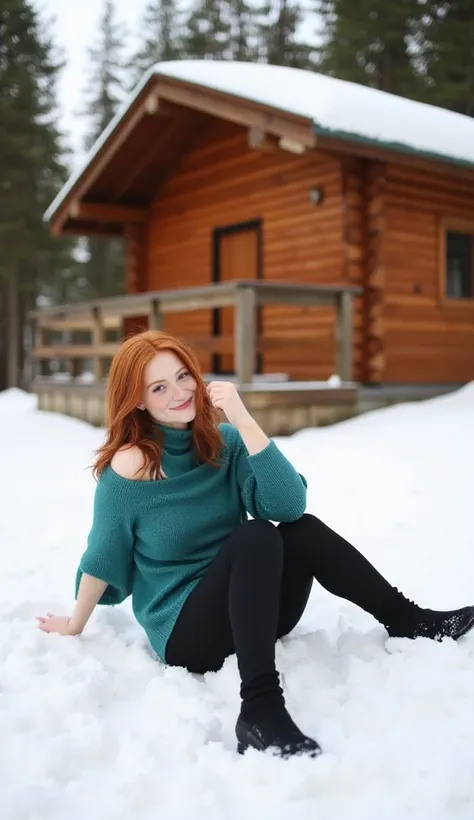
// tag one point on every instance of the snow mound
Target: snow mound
(14, 401)
(95, 726)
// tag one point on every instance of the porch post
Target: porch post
(245, 333)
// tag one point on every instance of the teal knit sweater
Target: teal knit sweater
(155, 539)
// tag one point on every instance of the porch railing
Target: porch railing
(99, 317)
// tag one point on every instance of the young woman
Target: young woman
(170, 527)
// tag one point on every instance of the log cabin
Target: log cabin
(219, 171)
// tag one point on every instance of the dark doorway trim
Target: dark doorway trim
(217, 234)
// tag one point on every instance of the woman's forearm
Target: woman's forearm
(252, 435)
(89, 594)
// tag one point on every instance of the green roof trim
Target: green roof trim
(398, 147)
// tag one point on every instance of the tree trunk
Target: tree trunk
(13, 351)
(3, 346)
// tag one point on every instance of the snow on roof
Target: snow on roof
(336, 107)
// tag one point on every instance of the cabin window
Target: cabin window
(459, 264)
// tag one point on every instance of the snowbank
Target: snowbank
(16, 401)
(95, 726)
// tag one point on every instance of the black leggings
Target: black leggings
(256, 589)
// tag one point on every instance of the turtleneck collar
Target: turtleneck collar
(176, 441)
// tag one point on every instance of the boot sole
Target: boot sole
(249, 740)
(467, 628)
(440, 637)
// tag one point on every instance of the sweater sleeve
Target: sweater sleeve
(270, 487)
(109, 553)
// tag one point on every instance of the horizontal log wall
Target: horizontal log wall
(223, 183)
(425, 339)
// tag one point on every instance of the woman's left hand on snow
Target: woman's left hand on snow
(224, 396)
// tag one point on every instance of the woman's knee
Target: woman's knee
(260, 528)
(257, 525)
(258, 534)
(305, 523)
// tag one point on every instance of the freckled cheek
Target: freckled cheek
(159, 401)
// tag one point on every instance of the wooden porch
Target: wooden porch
(74, 344)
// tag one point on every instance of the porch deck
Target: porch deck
(280, 406)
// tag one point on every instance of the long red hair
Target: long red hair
(127, 425)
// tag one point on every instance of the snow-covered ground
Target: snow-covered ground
(94, 726)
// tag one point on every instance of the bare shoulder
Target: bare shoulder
(129, 462)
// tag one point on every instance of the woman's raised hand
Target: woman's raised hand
(224, 396)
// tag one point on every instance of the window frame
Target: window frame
(456, 225)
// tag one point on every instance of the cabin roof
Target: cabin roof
(334, 111)
(337, 107)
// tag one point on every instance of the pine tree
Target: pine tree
(208, 31)
(106, 82)
(244, 31)
(280, 43)
(159, 36)
(371, 42)
(31, 173)
(105, 269)
(448, 54)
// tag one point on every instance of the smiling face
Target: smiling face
(169, 390)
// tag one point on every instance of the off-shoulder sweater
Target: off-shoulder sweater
(154, 540)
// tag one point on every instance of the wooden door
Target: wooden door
(237, 255)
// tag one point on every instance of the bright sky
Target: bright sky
(75, 25)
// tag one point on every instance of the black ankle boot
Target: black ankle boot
(261, 727)
(411, 621)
